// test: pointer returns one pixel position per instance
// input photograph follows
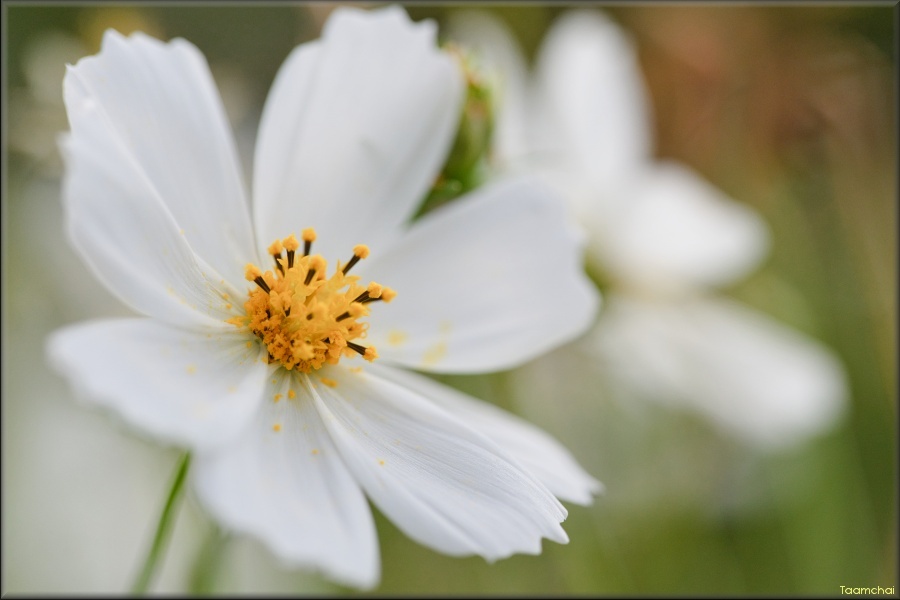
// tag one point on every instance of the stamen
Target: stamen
(252, 273)
(360, 251)
(367, 353)
(275, 250)
(309, 236)
(317, 264)
(291, 244)
(356, 310)
(374, 290)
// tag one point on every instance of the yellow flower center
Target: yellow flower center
(304, 318)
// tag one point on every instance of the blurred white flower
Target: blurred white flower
(662, 237)
(286, 439)
(38, 105)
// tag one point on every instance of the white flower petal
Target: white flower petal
(752, 376)
(483, 283)
(284, 482)
(439, 481)
(541, 454)
(676, 231)
(354, 131)
(162, 107)
(128, 238)
(190, 388)
(591, 89)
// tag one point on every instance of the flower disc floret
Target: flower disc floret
(304, 318)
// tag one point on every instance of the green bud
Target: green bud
(477, 124)
(466, 164)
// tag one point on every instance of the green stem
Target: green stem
(162, 529)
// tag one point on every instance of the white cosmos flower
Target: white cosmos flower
(354, 132)
(662, 237)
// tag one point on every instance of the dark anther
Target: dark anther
(290, 258)
(307, 246)
(350, 264)
(262, 283)
(357, 348)
(309, 276)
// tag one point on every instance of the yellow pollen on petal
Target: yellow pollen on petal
(305, 317)
(276, 427)
(292, 394)
(329, 382)
(315, 451)
(434, 354)
(278, 397)
(396, 338)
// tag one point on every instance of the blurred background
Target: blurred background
(787, 109)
